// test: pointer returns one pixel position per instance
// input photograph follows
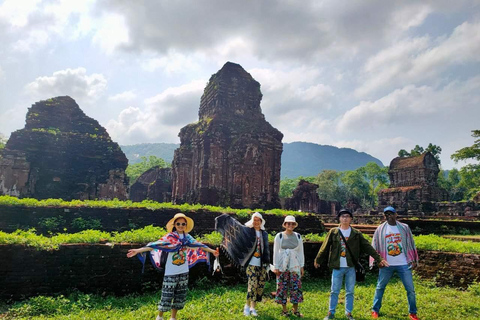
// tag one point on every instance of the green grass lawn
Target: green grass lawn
(226, 302)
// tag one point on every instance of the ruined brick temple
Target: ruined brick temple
(231, 156)
(154, 184)
(413, 185)
(62, 153)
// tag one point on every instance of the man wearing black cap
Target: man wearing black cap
(341, 262)
(393, 240)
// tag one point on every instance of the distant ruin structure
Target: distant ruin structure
(62, 153)
(231, 156)
(413, 185)
(154, 184)
(304, 198)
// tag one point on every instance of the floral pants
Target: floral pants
(174, 292)
(289, 282)
(257, 276)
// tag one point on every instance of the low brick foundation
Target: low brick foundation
(103, 269)
(121, 219)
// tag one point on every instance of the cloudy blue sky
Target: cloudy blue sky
(376, 76)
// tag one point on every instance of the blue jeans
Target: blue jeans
(337, 281)
(405, 274)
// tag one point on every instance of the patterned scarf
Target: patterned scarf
(240, 242)
(171, 242)
(379, 243)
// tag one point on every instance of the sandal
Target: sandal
(285, 313)
(297, 314)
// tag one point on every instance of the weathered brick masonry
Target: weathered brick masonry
(121, 219)
(104, 269)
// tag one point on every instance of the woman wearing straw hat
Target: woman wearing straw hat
(288, 262)
(183, 253)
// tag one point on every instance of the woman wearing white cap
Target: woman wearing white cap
(288, 259)
(247, 246)
(183, 253)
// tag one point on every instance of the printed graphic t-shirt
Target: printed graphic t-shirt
(255, 261)
(343, 248)
(395, 251)
(177, 262)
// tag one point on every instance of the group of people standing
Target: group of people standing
(246, 246)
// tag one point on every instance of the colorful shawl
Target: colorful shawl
(239, 242)
(379, 243)
(171, 242)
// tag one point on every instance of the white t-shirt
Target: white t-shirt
(255, 261)
(177, 262)
(395, 251)
(343, 248)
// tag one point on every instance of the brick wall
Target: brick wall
(120, 219)
(104, 269)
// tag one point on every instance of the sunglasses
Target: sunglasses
(388, 213)
(290, 223)
(178, 224)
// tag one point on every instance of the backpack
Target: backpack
(298, 235)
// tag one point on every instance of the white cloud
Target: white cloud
(384, 149)
(112, 32)
(461, 47)
(75, 83)
(32, 24)
(172, 63)
(414, 60)
(2, 74)
(124, 96)
(161, 118)
(420, 114)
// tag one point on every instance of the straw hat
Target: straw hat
(290, 219)
(188, 228)
(249, 223)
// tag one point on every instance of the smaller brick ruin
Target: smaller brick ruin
(305, 198)
(413, 185)
(62, 153)
(154, 184)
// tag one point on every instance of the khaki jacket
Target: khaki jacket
(331, 248)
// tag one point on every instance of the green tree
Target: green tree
(417, 151)
(135, 170)
(357, 186)
(377, 178)
(470, 174)
(452, 183)
(330, 186)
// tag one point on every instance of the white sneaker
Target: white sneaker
(253, 312)
(159, 318)
(246, 310)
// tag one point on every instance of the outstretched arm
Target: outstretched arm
(134, 252)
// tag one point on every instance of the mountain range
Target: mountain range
(298, 158)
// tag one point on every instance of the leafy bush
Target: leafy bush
(214, 238)
(86, 223)
(147, 204)
(51, 224)
(437, 243)
(314, 237)
(475, 288)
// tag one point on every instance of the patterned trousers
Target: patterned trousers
(257, 276)
(289, 282)
(174, 292)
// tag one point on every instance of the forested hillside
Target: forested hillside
(298, 158)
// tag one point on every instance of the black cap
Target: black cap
(342, 211)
